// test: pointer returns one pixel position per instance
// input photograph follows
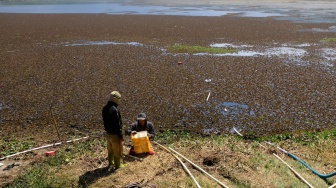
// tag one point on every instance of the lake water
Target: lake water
(298, 11)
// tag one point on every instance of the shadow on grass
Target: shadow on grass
(90, 177)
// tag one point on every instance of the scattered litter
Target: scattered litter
(10, 166)
(142, 183)
(207, 80)
(1, 164)
(208, 96)
(180, 63)
(48, 153)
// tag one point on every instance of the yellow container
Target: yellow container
(141, 142)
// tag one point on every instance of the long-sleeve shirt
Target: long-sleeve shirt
(112, 119)
(135, 126)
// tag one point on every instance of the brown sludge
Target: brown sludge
(41, 72)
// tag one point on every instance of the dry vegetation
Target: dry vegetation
(231, 160)
(41, 73)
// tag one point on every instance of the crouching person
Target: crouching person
(142, 124)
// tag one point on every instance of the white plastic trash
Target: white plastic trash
(140, 134)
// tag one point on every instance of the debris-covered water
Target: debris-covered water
(281, 77)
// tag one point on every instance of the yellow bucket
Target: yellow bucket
(141, 142)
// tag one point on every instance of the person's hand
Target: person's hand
(134, 132)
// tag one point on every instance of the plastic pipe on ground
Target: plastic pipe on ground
(46, 146)
(235, 130)
(199, 168)
(183, 165)
(332, 186)
(297, 174)
(323, 176)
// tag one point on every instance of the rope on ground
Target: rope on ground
(183, 165)
(199, 168)
(297, 174)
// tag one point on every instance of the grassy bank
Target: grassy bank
(236, 161)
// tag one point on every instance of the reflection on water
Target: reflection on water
(324, 13)
(113, 8)
(232, 108)
(240, 53)
(291, 53)
(329, 53)
(330, 29)
(285, 51)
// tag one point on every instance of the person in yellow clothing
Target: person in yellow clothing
(113, 126)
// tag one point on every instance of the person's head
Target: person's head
(115, 97)
(142, 118)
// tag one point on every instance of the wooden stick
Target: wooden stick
(199, 168)
(297, 174)
(55, 124)
(183, 165)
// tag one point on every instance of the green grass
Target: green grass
(329, 39)
(304, 138)
(37, 176)
(199, 49)
(170, 136)
(43, 174)
(53, 170)
(10, 146)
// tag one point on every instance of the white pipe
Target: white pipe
(208, 96)
(297, 174)
(46, 146)
(332, 186)
(243, 136)
(183, 165)
(234, 128)
(199, 168)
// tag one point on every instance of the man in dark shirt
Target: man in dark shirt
(142, 124)
(113, 127)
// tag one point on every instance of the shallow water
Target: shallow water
(298, 11)
(290, 53)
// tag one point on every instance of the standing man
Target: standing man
(142, 124)
(113, 127)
